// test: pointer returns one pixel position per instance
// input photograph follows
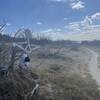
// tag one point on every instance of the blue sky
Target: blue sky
(56, 17)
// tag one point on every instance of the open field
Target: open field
(65, 75)
(62, 72)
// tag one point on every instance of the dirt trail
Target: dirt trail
(93, 66)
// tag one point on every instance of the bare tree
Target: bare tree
(21, 42)
(3, 25)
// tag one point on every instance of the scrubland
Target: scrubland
(61, 72)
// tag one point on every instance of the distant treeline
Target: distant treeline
(94, 42)
(44, 40)
(38, 41)
(5, 38)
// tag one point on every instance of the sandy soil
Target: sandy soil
(93, 66)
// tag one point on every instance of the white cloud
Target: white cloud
(55, 30)
(86, 22)
(95, 16)
(8, 24)
(38, 23)
(65, 18)
(47, 31)
(74, 4)
(58, 0)
(77, 5)
(85, 29)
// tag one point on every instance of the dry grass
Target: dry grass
(60, 78)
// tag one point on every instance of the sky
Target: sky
(60, 19)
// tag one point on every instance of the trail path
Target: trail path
(93, 66)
